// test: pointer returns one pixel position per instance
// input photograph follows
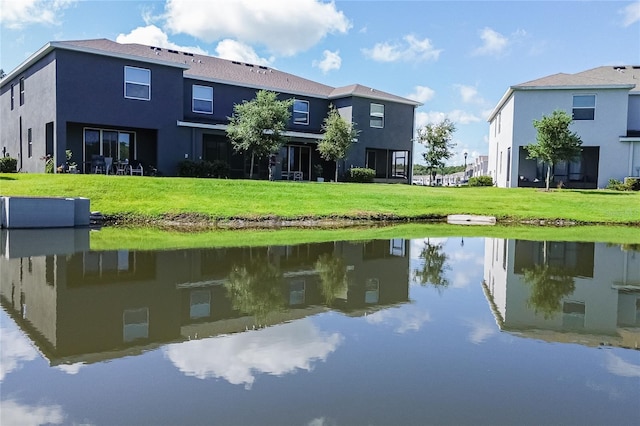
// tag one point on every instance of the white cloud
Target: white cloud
(17, 14)
(631, 14)
(480, 331)
(154, 36)
(14, 413)
(330, 61)
(620, 367)
(16, 350)
(284, 26)
(237, 358)
(422, 94)
(493, 43)
(457, 116)
(403, 319)
(237, 51)
(411, 49)
(71, 369)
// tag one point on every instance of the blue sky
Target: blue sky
(457, 57)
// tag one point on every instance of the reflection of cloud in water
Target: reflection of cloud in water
(70, 368)
(16, 349)
(460, 279)
(403, 319)
(619, 367)
(321, 421)
(481, 330)
(612, 392)
(276, 350)
(14, 413)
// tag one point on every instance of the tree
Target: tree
(333, 276)
(257, 125)
(337, 138)
(255, 288)
(437, 140)
(434, 266)
(550, 284)
(555, 142)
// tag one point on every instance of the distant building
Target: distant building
(605, 105)
(161, 106)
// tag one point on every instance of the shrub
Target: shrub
(633, 183)
(203, 169)
(480, 181)
(618, 185)
(8, 165)
(361, 174)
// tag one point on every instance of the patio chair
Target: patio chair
(98, 164)
(108, 164)
(136, 169)
(297, 176)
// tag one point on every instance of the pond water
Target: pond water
(382, 332)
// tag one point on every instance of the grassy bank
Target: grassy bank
(153, 198)
(111, 238)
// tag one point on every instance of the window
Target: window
(372, 290)
(584, 107)
(137, 83)
(499, 122)
(399, 164)
(135, 324)
(200, 304)
(12, 97)
(202, 99)
(377, 116)
(296, 292)
(29, 142)
(22, 91)
(300, 112)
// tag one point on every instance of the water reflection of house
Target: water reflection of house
(79, 305)
(600, 301)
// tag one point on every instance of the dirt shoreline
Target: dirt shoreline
(197, 222)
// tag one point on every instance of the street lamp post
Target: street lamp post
(465, 164)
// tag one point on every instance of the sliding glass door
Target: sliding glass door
(296, 159)
(107, 143)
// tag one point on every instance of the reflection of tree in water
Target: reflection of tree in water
(549, 285)
(256, 288)
(434, 266)
(333, 276)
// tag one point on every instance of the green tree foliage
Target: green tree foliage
(554, 141)
(421, 170)
(257, 125)
(437, 140)
(549, 285)
(337, 138)
(434, 266)
(333, 277)
(256, 288)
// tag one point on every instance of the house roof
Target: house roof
(210, 68)
(605, 77)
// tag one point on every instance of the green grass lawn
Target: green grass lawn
(151, 197)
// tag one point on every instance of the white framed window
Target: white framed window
(376, 118)
(584, 107)
(137, 83)
(300, 112)
(372, 290)
(202, 99)
(200, 304)
(135, 324)
(296, 292)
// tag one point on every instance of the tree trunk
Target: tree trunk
(252, 161)
(336, 171)
(548, 179)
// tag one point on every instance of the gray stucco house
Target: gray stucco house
(159, 106)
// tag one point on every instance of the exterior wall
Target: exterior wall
(95, 98)
(39, 108)
(609, 301)
(396, 135)
(633, 119)
(77, 90)
(604, 131)
(500, 140)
